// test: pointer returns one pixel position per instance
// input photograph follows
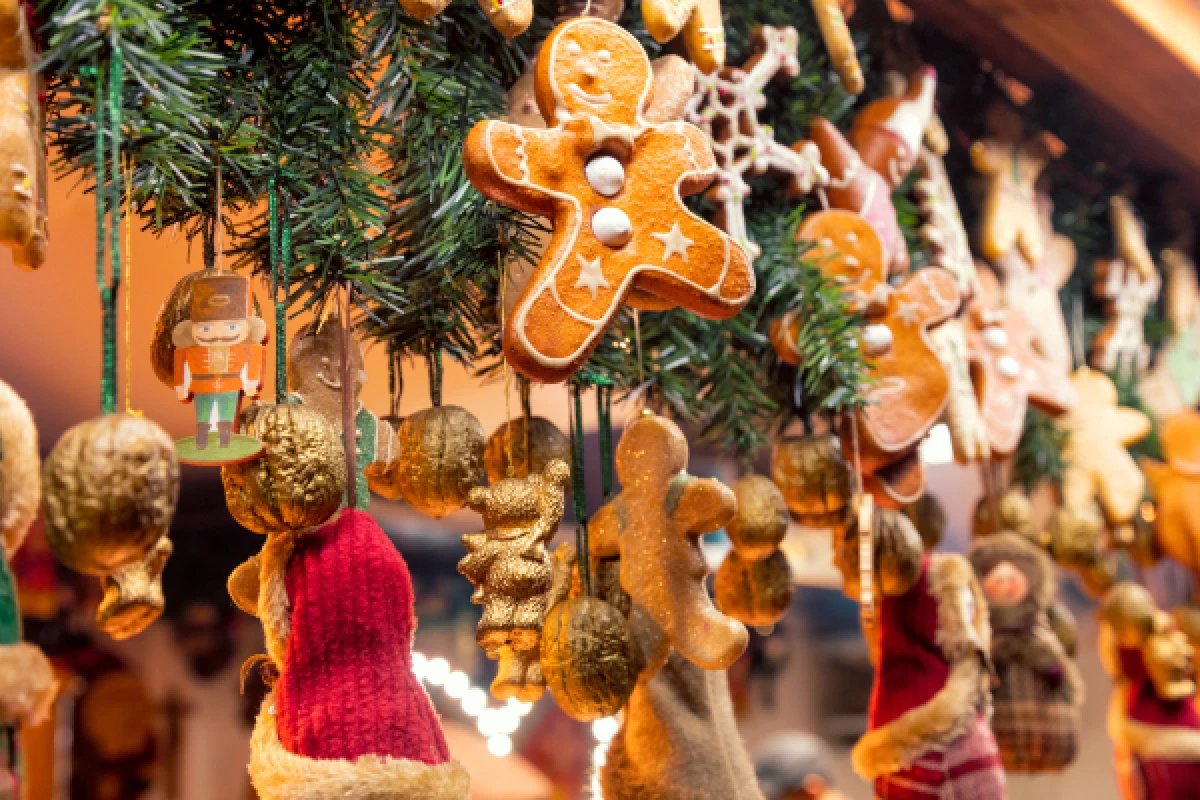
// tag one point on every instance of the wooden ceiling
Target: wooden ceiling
(1137, 60)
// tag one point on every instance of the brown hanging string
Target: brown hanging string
(349, 430)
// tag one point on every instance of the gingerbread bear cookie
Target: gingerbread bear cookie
(1129, 284)
(1009, 371)
(698, 21)
(655, 525)
(725, 106)
(1098, 465)
(598, 169)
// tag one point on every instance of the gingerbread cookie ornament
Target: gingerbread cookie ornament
(842, 53)
(1010, 219)
(601, 167)
(1129, 284)
(1010, 373)
(1173, 384)
(725, 106)
(1098, 465)
(510, 17)
(698, 21)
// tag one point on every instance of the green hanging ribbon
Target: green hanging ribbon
(108, 193)
(579, 489)
(604, 390)
(281, 274)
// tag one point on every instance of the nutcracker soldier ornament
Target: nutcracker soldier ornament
(219, 355)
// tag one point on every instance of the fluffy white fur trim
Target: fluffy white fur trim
(280, 775)
(1151, 742)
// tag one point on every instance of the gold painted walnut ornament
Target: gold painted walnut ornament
(510, 569)
(530, 442)
(814, 477)
(133, 595)
(300, 479)
(440, 460)
(20, 483)
(754, 582)
(588, 658)
(110, 488)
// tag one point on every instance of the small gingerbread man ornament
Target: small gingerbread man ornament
(698, 21)
(510, 17)
(655, 524)
(1130, 284)
(725, 106)
(910, 387)
(1098, 465)
(598, 169)
(1010, 372)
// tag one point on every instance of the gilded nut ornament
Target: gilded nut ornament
(533, 443)
(109, 490)
(754, 592)
(761, 520)
(20, 483)
(133, 595)
(300, 479)
(441, 457)
(814, 477)
(588, 658)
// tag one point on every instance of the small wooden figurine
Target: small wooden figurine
(218, 355)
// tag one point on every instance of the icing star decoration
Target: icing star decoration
(591, 277)
(674, 243)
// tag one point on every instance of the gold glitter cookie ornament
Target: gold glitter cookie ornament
(511, 571)
(814, 477)
(300, 479)
(109, 491)
(441, 454)
(532, 442)
(655, 524)
(20, 483)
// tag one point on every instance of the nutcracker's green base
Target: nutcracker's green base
(241, 448)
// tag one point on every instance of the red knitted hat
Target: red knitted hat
(346, 688)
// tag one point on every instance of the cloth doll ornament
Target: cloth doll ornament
(1129, 284)
(1173, 384)
(510, 569)
(725, 106)
(927, 730)
(1009, 373)
(314, 368)
(884, 142)
(219, 355)
(602, 166)
(679, 738)
(23, 179)
(1152, 717)
(1036, 704)
(346, 716)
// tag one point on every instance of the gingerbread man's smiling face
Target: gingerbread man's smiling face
(590, 70)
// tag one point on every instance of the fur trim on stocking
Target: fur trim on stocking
(1150, 742)
(280, 775)
(963, 635)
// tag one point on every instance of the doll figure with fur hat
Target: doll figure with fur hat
(346, 716)
(679, 739)
(219, 356)
(928, 734)
(1152, 717)
(314, 371)
(1037, 700)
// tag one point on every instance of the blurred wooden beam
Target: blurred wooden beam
(1138, 60)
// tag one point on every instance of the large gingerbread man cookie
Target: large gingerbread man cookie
(613, 185)
(1009, 371)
